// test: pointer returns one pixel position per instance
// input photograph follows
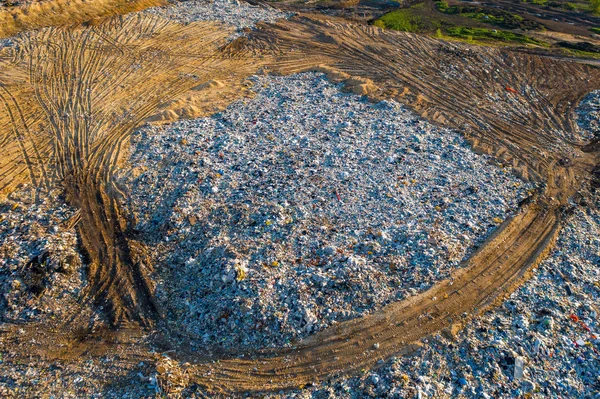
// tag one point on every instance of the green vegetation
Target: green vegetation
(442, 6)
(585, 47)
(492, 16)
(576, 5)
(582, 54)
(595, 30)
(402, 20)
(464, 22)
(491, 34)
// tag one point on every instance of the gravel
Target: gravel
(305, 206)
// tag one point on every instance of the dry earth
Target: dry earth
(71, 96)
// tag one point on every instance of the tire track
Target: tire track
(93, 96)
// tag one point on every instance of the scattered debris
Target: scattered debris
(41, 270)
(497, 355)
(519, 367)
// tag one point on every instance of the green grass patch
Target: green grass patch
(581, 54)
(402, 20)
(491, 16)
(591, 6)
(482, 34)
(595, 30)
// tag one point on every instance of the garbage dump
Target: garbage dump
(232, 12)
(41, 271)
(588, 113)
(305, 206)
(549, 339)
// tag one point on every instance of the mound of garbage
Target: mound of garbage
(304, 206)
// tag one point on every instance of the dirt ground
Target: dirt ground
(71, 97)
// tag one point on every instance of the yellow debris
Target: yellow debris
(240, 273)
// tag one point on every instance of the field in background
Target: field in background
(498, 23)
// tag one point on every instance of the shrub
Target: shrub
(402, 20)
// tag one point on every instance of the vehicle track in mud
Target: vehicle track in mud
(91, 87)
(85, 89)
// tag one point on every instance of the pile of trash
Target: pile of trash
(543, 342)
(41, 273)
(231, 12)
(6, 43)
(304, 206)
(588, 113)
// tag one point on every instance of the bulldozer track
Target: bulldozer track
(87, 88)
